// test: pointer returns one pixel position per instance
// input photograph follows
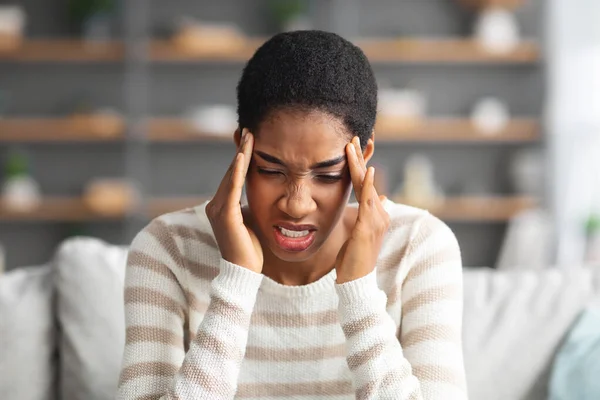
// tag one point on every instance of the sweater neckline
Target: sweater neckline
(326, 282)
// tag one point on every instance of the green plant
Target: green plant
(285, 10)
(592, 224)
(80, 10)
(16, 165)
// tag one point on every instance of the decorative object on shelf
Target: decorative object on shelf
(290, 15)
(12, 25)
(105, 123)
(490, 116)
(419, 188)
(20, 191)
(497, 31)
(400, 109)
(93, 19)
(527, 172)
(110, 197)
(197, 38)
(215, 119)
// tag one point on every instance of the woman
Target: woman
(297, 294)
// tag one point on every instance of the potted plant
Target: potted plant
(20, 191)
(92, 18)
(290, 14)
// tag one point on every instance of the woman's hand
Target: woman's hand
(237, 243)
(358, 255)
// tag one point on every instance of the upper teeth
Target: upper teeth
(293, 234)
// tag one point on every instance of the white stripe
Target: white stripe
(444, 312)
(294, 372)
(446, 354)
(152, 352)
(142, 314)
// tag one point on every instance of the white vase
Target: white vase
(21, 194)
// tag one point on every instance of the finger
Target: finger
(247, 149)
(237, 181)
(367, 198)
(361, 160)
(225, 185)
(356, 172)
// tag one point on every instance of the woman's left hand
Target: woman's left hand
(358, 255)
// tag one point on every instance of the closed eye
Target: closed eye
(271, 172)
(329, 178)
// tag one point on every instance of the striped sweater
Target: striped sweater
(199, 327)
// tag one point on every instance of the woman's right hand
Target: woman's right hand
(237, 243)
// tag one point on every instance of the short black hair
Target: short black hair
(309, 70)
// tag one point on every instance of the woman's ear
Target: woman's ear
(369, 148)
(237, 137)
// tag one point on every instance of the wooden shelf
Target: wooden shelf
(57, 130)
(482, 4)
(479, 209)
(378, 50)
(65, 50)
(459, 209)
(455, 130)
(178, 130)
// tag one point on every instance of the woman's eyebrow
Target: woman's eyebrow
(323, 164)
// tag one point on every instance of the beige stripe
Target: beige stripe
(147, 369)
(362, 357)
(432, 261)
(143, 260)
(369, 390)
(151, 297)
(197, 375)
(426, 333)
(221, 349)
(393, 295)
(194, 303)
(317, 388)
(142, 334)
(162, 233)
(201, 271)
(234, 313)
(433, 295)
(393, 260)
(360, 325)
(435, 373)
(321, 318)
(197, 235)
(296, 354)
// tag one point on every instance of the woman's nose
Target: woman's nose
(297, 202)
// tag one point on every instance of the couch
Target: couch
(62, 325)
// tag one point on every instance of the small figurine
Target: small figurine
(20, 191)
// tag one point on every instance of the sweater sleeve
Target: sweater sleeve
(155, 363)
(426, 361)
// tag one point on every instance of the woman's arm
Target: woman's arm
(427, 362)
(155, 365)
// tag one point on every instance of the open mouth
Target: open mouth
(294, 238)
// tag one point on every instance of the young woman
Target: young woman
(297, 294)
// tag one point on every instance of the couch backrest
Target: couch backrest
(513, 322)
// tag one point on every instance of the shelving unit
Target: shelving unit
(74, 209)
(136, 69)
(378, 50)
(446, 130)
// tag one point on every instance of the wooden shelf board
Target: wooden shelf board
(48, 130)
(462, 209)
(55, 209)
(479, 209)
(159, 206)
(64, 50)
(378, 50)
(457, 130)
(178, 130)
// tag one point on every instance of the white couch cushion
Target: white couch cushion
(89, 278)
(27, 335)
(513, 325)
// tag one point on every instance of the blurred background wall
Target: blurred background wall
(103, 101)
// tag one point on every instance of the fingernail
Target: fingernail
(353, 149)
(246, 137)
